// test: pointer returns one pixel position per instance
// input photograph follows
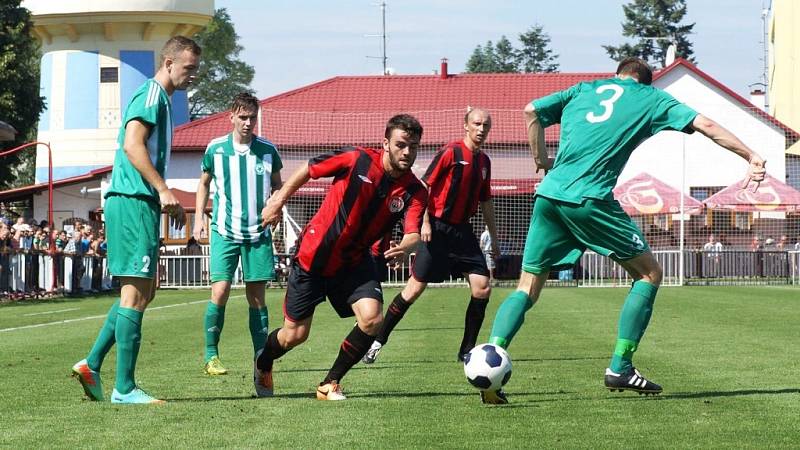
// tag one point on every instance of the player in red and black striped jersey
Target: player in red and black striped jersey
(372, 190)
(458, 181)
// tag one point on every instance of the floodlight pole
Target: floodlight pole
(383, 56)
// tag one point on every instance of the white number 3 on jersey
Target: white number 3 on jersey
(608, 104)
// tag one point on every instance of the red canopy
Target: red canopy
(772, 195)
(644, 194)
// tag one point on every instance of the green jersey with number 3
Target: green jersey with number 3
(602, 122)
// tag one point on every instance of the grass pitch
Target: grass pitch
(726, 356)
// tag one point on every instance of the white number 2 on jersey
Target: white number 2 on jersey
(607, 104)
(146, 264)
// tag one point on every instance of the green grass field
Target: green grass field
(726, 356)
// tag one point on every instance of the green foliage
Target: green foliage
(20, 102)
(645, 19)
(725, 356)
(222, 74)
(533, 57)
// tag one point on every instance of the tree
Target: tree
(503, 57)
(20, 102)
(221, 75)
(535, 55)
(655, 24)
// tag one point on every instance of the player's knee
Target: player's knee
(371, 325)
(482, 291)
(294, 337)
(654, 275)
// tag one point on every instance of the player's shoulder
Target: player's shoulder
(264, 144)
(217, 145)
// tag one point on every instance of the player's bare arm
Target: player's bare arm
(425, 231)
(271, 214)
(397, 254)
(201, 198)
(136, 134)
(487, 208)
(724, 138)
(536, 139)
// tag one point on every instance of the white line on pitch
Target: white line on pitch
(80, 319)
(51, 312)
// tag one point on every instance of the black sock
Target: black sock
(473, 319)
(272, 351)
(353, 348)
(394, 313)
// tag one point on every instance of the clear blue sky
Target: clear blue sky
(295, 43)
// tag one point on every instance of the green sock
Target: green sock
(633, 320)
(259, 327)
(509, 318)
(129, 338)
(214, 321)
(105, 339)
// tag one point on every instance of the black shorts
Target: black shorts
(307, 290)
(381, 269)
(453, 250)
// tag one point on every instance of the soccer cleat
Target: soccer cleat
(330, 391)
(497, 397)
(262, 380)
(214, 367)
(135, 397)
(631, 380)
(89, 379)
(462, 357)
(372, 353)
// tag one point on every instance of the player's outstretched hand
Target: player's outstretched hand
(755, 172)
(395, 256)
(173, 209)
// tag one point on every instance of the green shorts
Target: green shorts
(132, 232)
(257, 259)
(560, 232)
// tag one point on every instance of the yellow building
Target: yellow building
(784, 64)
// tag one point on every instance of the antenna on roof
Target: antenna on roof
(383, 56)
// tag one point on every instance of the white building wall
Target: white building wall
(707, 164)
(67, 202)
(184, 171)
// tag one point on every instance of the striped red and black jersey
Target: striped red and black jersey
(458, 179)
(361, 207)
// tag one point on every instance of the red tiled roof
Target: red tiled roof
(321, 113)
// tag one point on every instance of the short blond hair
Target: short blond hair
(177, 45)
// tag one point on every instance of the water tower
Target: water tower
(95, 54)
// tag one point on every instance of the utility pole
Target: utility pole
(383, 56)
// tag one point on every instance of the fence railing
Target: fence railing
(26, 274)
(31, 274)
(593, 270)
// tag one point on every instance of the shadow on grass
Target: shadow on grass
(712, 394)
(239, 397)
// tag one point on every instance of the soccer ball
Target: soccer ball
(487, 367)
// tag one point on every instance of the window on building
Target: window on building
(109, 74)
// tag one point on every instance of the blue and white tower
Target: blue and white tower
(95, 54)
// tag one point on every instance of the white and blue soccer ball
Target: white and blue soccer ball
(487, 367)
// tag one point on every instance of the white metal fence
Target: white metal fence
(29, 274)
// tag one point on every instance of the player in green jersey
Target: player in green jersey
(602, 122)
(134, 203)
(245, 170)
